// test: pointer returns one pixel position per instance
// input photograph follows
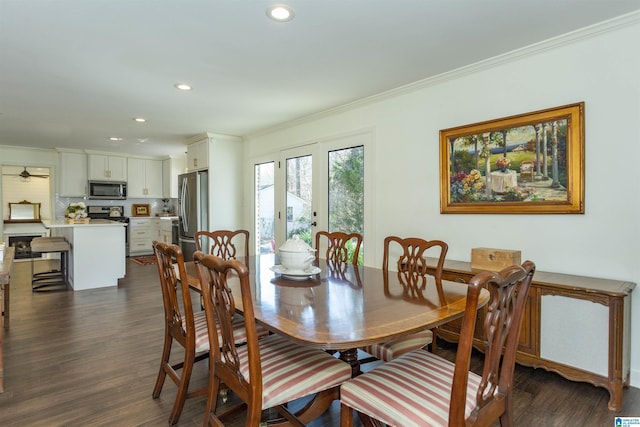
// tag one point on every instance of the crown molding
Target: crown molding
(591, 31)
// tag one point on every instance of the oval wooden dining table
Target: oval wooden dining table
(344, 310)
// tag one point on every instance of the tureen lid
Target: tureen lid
(295, 244)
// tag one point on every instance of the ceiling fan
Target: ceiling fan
(25, 174)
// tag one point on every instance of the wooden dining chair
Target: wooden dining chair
(223, 243)
(226, 244)
(342, 250)
(436, 392)
(264, 373)
(183, 326)
(338, 246)
(411, 267)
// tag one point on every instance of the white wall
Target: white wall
(599, 66)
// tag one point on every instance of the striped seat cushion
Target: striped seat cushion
(202, 337)
(412, 390)
(239, 332)
(395, 348)
(291, 371)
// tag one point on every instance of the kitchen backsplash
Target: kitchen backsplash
(156, 205)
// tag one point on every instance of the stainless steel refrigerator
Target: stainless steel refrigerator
(193, 209)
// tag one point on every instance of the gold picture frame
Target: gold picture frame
(531, 163)
(24, 211)
(140, 209)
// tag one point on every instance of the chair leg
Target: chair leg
(254, 414)
(164, 361)
(346, 416)
(183, 387)
(212, 398)
(506, 419)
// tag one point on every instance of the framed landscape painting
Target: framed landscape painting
(531, 163)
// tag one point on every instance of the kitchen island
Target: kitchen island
(97, 255)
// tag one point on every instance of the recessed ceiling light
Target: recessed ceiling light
(182, 86)
(280, 13)
(139, 119)
(115, 138)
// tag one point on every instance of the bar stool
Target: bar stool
(54, 279)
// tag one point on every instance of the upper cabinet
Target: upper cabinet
(107, 168)
(145, 178)
(198, 154)
(171, 168)
(73, 174)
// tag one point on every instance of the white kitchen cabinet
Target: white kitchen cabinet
(171, 168)
(141, 236)
(107, 168)
(198, 154)
(73, 174)
(224, 154)
(144, 178)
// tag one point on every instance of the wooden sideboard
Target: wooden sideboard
(576, 326)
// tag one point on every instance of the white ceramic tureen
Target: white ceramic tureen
(296, 255)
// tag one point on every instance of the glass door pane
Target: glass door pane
(264, 175)
(299, 191)
(346, 191)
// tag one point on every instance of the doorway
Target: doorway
(319, 186)
(29, 183)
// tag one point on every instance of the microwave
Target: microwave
(112, 190)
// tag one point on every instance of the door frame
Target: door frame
(364, 137)
(281, 185)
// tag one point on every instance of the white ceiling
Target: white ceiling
(74, 72)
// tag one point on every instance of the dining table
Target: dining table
(344, 309)
(339, 309)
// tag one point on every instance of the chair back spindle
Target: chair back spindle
(337, 249)
(223, 243)
(411, 264)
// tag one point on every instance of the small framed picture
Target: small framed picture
(140, 210)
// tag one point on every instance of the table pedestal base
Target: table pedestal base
(351, 357)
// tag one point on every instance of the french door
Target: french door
(320, 186)
(298, 213)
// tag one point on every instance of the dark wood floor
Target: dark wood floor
(90, 358)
